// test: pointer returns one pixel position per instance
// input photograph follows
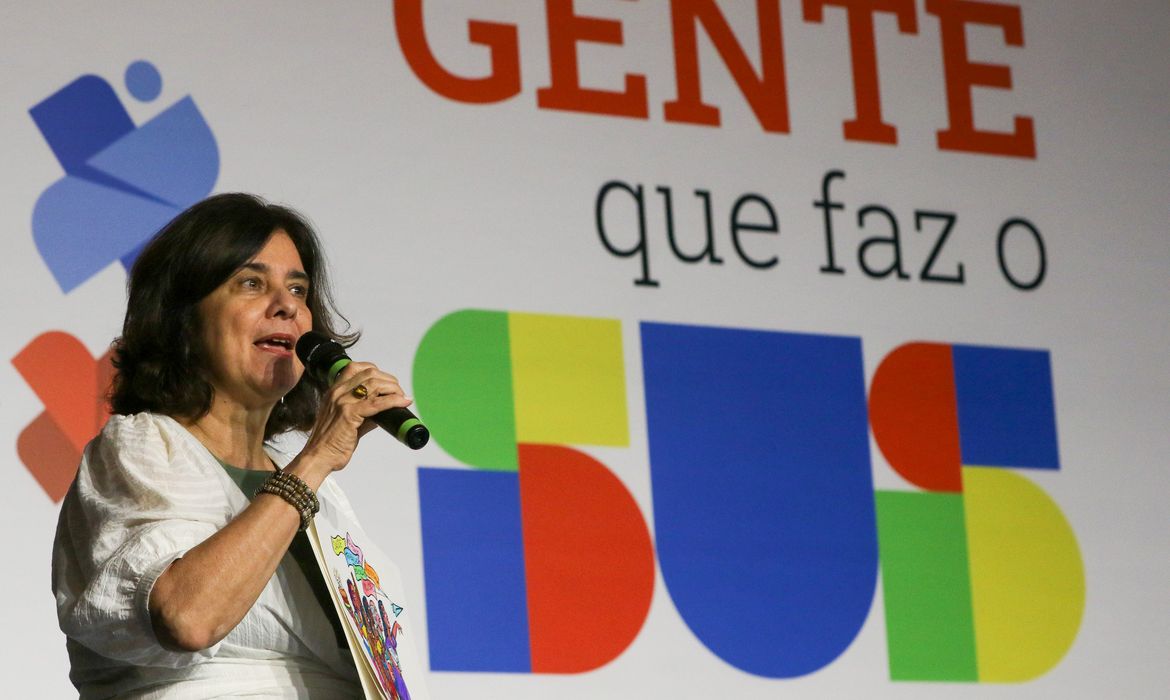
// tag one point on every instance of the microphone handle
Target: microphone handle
(404, 426)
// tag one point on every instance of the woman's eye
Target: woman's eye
(250, 283)
(299, 290)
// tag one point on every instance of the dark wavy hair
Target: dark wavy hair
(159, 360)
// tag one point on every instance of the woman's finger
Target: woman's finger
(369, 381)
(370, 389)
(375, 403)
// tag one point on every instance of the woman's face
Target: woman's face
(251, 324)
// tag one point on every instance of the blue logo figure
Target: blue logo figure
(122, 182)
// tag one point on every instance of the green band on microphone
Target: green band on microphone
(405, 428)
(336, 368)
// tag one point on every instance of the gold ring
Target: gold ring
(360, 391)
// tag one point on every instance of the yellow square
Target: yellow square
(568, 380)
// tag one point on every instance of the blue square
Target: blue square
(1007, 416)
(477, 598)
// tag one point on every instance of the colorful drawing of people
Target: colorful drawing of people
(371, 616)
(389, 638)
(355, 604)
(372, 633)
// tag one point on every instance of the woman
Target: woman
(170, 576)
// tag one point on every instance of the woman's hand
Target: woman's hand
(344, 416)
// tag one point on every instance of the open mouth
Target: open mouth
(276, 342)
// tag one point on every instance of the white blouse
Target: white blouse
(146, 492)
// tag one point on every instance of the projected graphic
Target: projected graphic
(768, 529)
(122, 181)
(72, 386)
(763, 495)
(539, 545)
(981, 573)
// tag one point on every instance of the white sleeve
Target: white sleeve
(140, 501)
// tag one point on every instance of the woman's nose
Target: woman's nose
(284, 304)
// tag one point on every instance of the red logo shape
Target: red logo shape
(73, 386)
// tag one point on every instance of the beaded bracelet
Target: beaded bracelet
(297, 495)
(295, 491)
(296, 483)
(303, 509)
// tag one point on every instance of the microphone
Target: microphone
(324, 359)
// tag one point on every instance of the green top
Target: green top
(302, 552)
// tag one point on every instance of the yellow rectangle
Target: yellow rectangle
(568, 380)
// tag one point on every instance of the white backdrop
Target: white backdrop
(428, 205)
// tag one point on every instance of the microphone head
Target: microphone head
(319, 353)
